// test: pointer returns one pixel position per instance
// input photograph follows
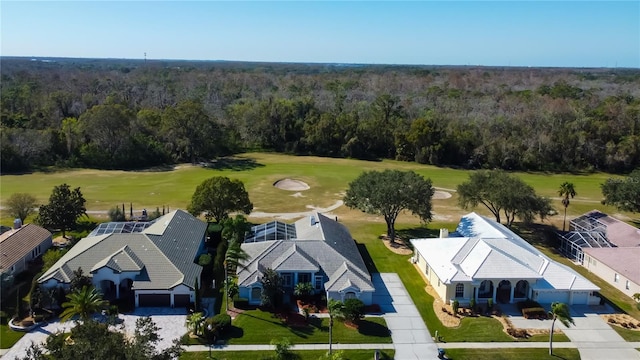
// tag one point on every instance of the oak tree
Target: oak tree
(390, 192)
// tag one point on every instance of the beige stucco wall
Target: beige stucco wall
(608, 274)
(432, 277)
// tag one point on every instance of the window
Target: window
(426, 271)
(304, 278)
(256, 293)
(616, 277)
(438, 281)
(459, 290)
(627, 285)
(286, 279)
(318, 283)
(350, 295)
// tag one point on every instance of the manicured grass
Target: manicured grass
(512, 354)
(327, 177)
(628, 335)
(299, 355)
(8, 337)
(260, 327)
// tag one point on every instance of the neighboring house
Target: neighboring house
(21, 245)
(608, 247)
(315, 249)
(485, 260)
(154, 267)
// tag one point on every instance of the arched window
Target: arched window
(350, 295)
(459, 290)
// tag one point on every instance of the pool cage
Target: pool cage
(586, 231)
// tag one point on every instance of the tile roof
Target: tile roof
(15, 244)
(321, 244)
(488, 250)
(625, 261)
(165, 253)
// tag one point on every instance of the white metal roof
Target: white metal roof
(491, 251)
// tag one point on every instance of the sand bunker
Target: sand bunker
(291, 185)
(439, 195)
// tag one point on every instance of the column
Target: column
(511, 294)
(117, 291)
(495, 292)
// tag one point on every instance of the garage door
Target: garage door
(181, 300)
(154, 300)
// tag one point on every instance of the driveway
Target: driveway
(171, 324)
(593, 337)
(411, 338)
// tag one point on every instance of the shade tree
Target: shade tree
(390, 192)
(63, 210)
(218, 196)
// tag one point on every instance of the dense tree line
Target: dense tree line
(130, 114)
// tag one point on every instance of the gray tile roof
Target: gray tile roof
(165, 255)
(322, 245)
(15, 244)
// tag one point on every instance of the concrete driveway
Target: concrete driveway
(171, 323)
(411, 338)
(593, 337)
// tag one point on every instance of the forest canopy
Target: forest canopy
(133, 114)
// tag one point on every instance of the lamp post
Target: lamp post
(226, 287)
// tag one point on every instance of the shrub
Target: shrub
(353, 310)
(455, 305)
(527, 304)
(221, 321)
(534, 313)
(472, 304)
(490, 304)
(611, 321)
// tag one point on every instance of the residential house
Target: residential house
(608, 247)
(21, 245)
(315, 249)
(155, 266)
(485, 260)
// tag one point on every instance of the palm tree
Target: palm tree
(234, 257)
(83, 302)
(335, 308)
(195, 322)
(559, 311)
(566, 190)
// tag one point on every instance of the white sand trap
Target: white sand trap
(439, 195)
(291, 185)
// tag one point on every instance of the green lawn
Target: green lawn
(299, 355)
(628, 335)
(328, 177)
(512, 354)
(8, 337)
(260, 327)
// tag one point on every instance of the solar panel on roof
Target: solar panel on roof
(120, 227)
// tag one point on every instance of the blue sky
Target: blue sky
(502, 33)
